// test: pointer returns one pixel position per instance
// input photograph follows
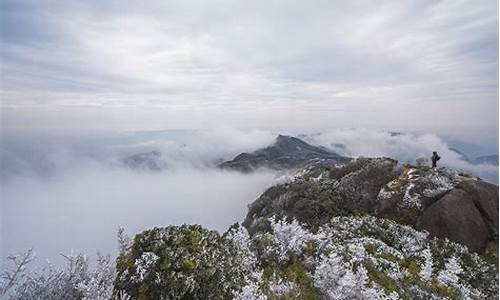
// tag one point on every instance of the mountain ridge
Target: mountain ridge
(286, 152)
(368, 229)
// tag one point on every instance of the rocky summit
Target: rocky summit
(366, 229)
(445, 203)
(286, 153)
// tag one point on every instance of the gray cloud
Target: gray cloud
(123, 64)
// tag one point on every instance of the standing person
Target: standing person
(435, 157)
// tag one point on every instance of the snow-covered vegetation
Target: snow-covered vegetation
(367, 258)
(77, 279)
(185, 262)
(346, 258)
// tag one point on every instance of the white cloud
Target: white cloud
(405, 147)
(82, 209)
(409, 63)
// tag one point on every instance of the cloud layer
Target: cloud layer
(60, 191)
(71, 191)
(429, 65)
(83, 210)
(405, 147)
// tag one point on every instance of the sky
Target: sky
(420, 65)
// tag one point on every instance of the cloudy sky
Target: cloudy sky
(126, 65)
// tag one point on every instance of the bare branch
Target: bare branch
(10, 278)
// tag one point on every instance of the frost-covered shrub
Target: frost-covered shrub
(346, 258)
(320, 193)
(364, 258)
(99, 283)
(180, 262)
(75, 280)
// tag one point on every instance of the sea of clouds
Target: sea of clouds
(405, 147)
(63, 192)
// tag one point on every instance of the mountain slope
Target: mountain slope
(333, 232)
(286, 153)
(445, 203)
(487, 159)
(148, 161)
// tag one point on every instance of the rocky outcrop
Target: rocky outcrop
(485, 197)
(445, 203)
(456, 218)
(405, 197)
(286, 153)
(326, 234)
(468, 214)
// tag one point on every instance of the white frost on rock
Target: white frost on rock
(410, 198)
(416, 184)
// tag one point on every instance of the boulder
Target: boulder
(456, 217)
(485, 197)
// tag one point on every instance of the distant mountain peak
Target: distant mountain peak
(146, 161)
(287, 152)
(487, 159)
(285, 140)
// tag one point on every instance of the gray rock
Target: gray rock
(456, 218)
(405, 198)
(446, 203)
(485, 197)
